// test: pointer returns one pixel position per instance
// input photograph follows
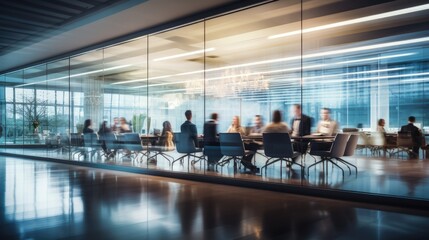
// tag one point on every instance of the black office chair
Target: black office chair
(161, 151)
(91, 144)
(278, 147)
(337, 151)
(231, 146)
(185, 145)
(350, 151)
(111, 144)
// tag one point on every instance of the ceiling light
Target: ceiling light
(73, 75)
(184, 54)
(354, 21)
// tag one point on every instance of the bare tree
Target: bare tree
(33, 111)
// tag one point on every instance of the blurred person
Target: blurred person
(87, 127)
(247, 159)
(380, 125)
(115, 125)
(236, 126)
(167, 135)
(190, 128)
(277, 125)
(326, 125)
(103, 130)
(416, 135)
(124, 127)
(258, 127)
(301, 126)
(211, 141)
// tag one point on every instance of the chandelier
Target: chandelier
(231, 83)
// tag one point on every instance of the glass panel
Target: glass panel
(14, 127)
(249, 74)
(125, 107)
(86, 100)
(57, 89)
(34, 108)
(176, 73)
(366, 64)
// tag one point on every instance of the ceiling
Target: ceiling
(25, 22)
(32, 31)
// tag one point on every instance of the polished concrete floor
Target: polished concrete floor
(399, 177)
(43, 200)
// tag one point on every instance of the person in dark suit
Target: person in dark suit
(416, 134)
(211, 142)
(190, 128)
(301, 126)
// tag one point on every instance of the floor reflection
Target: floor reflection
(42, 200)
(377, 175)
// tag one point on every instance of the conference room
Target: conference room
(363, 64)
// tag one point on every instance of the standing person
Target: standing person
(247, 159)
(301, 126)
(380, 125)
(258, 127)
(211, 142)
(102, 131)
(326, 125)
(416, 134)
(87, 127)
(190, 128)
(277, 125)
(1, 130)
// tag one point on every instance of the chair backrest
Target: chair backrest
(231, 144)
(404, 139)
(339, 145)
(351, 145)
(277, 145)
(350, 130)
(184, 143)
(110, 140)
(131, 138)
(90, 139)
(363, 139)
(377, 139)
(76, 139)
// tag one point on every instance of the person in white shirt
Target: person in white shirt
(326, 125)
(380, 125)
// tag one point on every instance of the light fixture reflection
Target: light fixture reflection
(355, 21)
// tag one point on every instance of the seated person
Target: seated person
(258, 128)
(246, 160)
(124, 126)
(380, 125)
(87, 127)
(416, 134)
(277, 125)
(167, 136)
(326, 125)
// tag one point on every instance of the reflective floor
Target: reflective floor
(401, 177)
(42, 200)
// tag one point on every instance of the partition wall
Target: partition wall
(364, 61)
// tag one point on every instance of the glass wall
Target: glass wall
(363, 61)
